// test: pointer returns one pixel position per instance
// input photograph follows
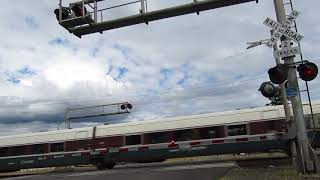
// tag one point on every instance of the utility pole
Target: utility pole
(303, 142)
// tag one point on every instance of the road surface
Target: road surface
(204, 171)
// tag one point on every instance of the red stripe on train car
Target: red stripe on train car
(104, 151)
(195, 143)
(217, 141)
(263, 137)
(242, 139)
(172, 145)
(143, 148)
(123, 149)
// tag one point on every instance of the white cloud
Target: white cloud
(66, 72)
(26, 82)
(205, 51)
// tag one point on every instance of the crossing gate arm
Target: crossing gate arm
(194, 7)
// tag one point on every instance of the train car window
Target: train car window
(38, 149)
(3, 152)
(133, 140)
(209, 132)
(158, 137)
(82, 145)
(236, 130)
(57, 147)
(115, 141)
(183, 135)
(17, 150)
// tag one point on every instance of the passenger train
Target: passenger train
(261, 129)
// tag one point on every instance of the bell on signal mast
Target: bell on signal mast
(268, 89)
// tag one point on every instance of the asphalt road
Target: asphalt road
(205, 171)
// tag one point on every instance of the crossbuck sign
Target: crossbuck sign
(283, 29)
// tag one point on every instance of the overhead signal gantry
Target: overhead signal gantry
(80, 21)
(100, 110)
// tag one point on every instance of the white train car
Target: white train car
(250, 130)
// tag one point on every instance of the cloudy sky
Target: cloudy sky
(184, 65)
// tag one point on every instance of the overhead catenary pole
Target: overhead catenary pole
(143, 7)
(60, 11)
(297, 109)
(95, 11)
(67, 122)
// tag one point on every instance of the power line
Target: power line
(241, 93)
(131, 94)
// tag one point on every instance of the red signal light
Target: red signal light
(79, 10)
(129, 106)
(66, 13)
(308, 71)
(123, 107)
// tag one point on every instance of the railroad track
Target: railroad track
(264, 162)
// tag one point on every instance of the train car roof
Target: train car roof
(182, 122)
(201, 120)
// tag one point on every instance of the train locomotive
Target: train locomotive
(262, 129)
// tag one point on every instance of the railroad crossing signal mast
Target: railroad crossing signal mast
(79, 20)
(281, 74)
(307, 164)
